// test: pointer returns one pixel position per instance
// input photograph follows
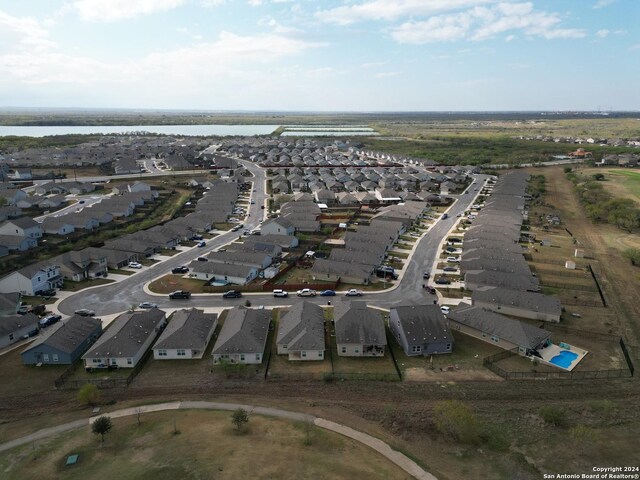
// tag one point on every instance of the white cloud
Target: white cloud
(114, 10)
(603, 3)
(212, 3)
(276, 26)
(373, 64)
(24, 33)
(481, 23)
(603, 33)
(229, 55)
(391, 10)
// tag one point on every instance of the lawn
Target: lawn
(199, 444)
(18, 379)
(71, 286)
(170, 283)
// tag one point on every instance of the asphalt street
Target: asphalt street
(120, 296)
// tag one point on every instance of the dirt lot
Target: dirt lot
(205, 447)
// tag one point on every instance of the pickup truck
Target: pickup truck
(306, 292)
(354, 293)
(180, 294)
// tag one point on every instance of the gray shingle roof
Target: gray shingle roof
(536, 302)
(127, 334)
(302, 327)
(423, 324)
(514, 331)
(357, 324)
(244, 331)
(188, 329)
(11, 323)
(68, 334)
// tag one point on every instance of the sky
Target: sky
(333, 55)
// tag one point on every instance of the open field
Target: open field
(623, 182)
(206, 446)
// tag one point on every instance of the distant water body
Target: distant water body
(183, 130)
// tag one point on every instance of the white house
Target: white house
(186, 336)
(277, 226)
(229, 273)
(125, 341)
(32, 278)
(243, 336)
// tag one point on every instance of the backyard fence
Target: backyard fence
(490, 363)
(595, 279)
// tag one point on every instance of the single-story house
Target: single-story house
(421, 330)
(243, 336)
(64, 342)
(14, 327)
(277, 226)
(535, 306)
(332, 271)
(57, 225)
(255, 259)
(186, 336)
(127, 339)
(230, 273)
(301, 332)
(17, 243)
(360, 330)
(497, 329)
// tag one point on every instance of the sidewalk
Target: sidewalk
(396, 457)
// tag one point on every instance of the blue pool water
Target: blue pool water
(564, 358)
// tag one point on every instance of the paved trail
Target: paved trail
(398, 458)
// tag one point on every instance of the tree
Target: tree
(101, 426)
(89, 394)
(3, 201)
(239, 418)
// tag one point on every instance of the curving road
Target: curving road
(120, 296)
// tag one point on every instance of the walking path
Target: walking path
(398, 458)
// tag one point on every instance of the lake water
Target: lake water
(186, 130)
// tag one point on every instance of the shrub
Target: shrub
(584, 434)
(457, 420)
(633, 254)
(88, 394)
(554, 416)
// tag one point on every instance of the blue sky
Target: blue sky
(307, 55)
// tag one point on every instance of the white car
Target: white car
(354, 293)
(280, 293)
(135, 265)
(453, 259)
(306, 292)
(444, 309)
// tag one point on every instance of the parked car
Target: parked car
(46, 293)
(445, 216)
(232, 294)
(328, 293)
(85, 312)
(450, 269)
(306, 292)
(49, 320)
(202, 244)
(253, 202)
(442, 281)
(202, 259)
(262, 207)
(147, 305)
(280, 293)
(236, 228)
(453, 259)
(444, 309)
(182, 269)
(180, 295)
(354, 292)
(135, 265)
(426, 275)
(429, 289)
(24, 309)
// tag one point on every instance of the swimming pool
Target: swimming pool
(564, 359)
